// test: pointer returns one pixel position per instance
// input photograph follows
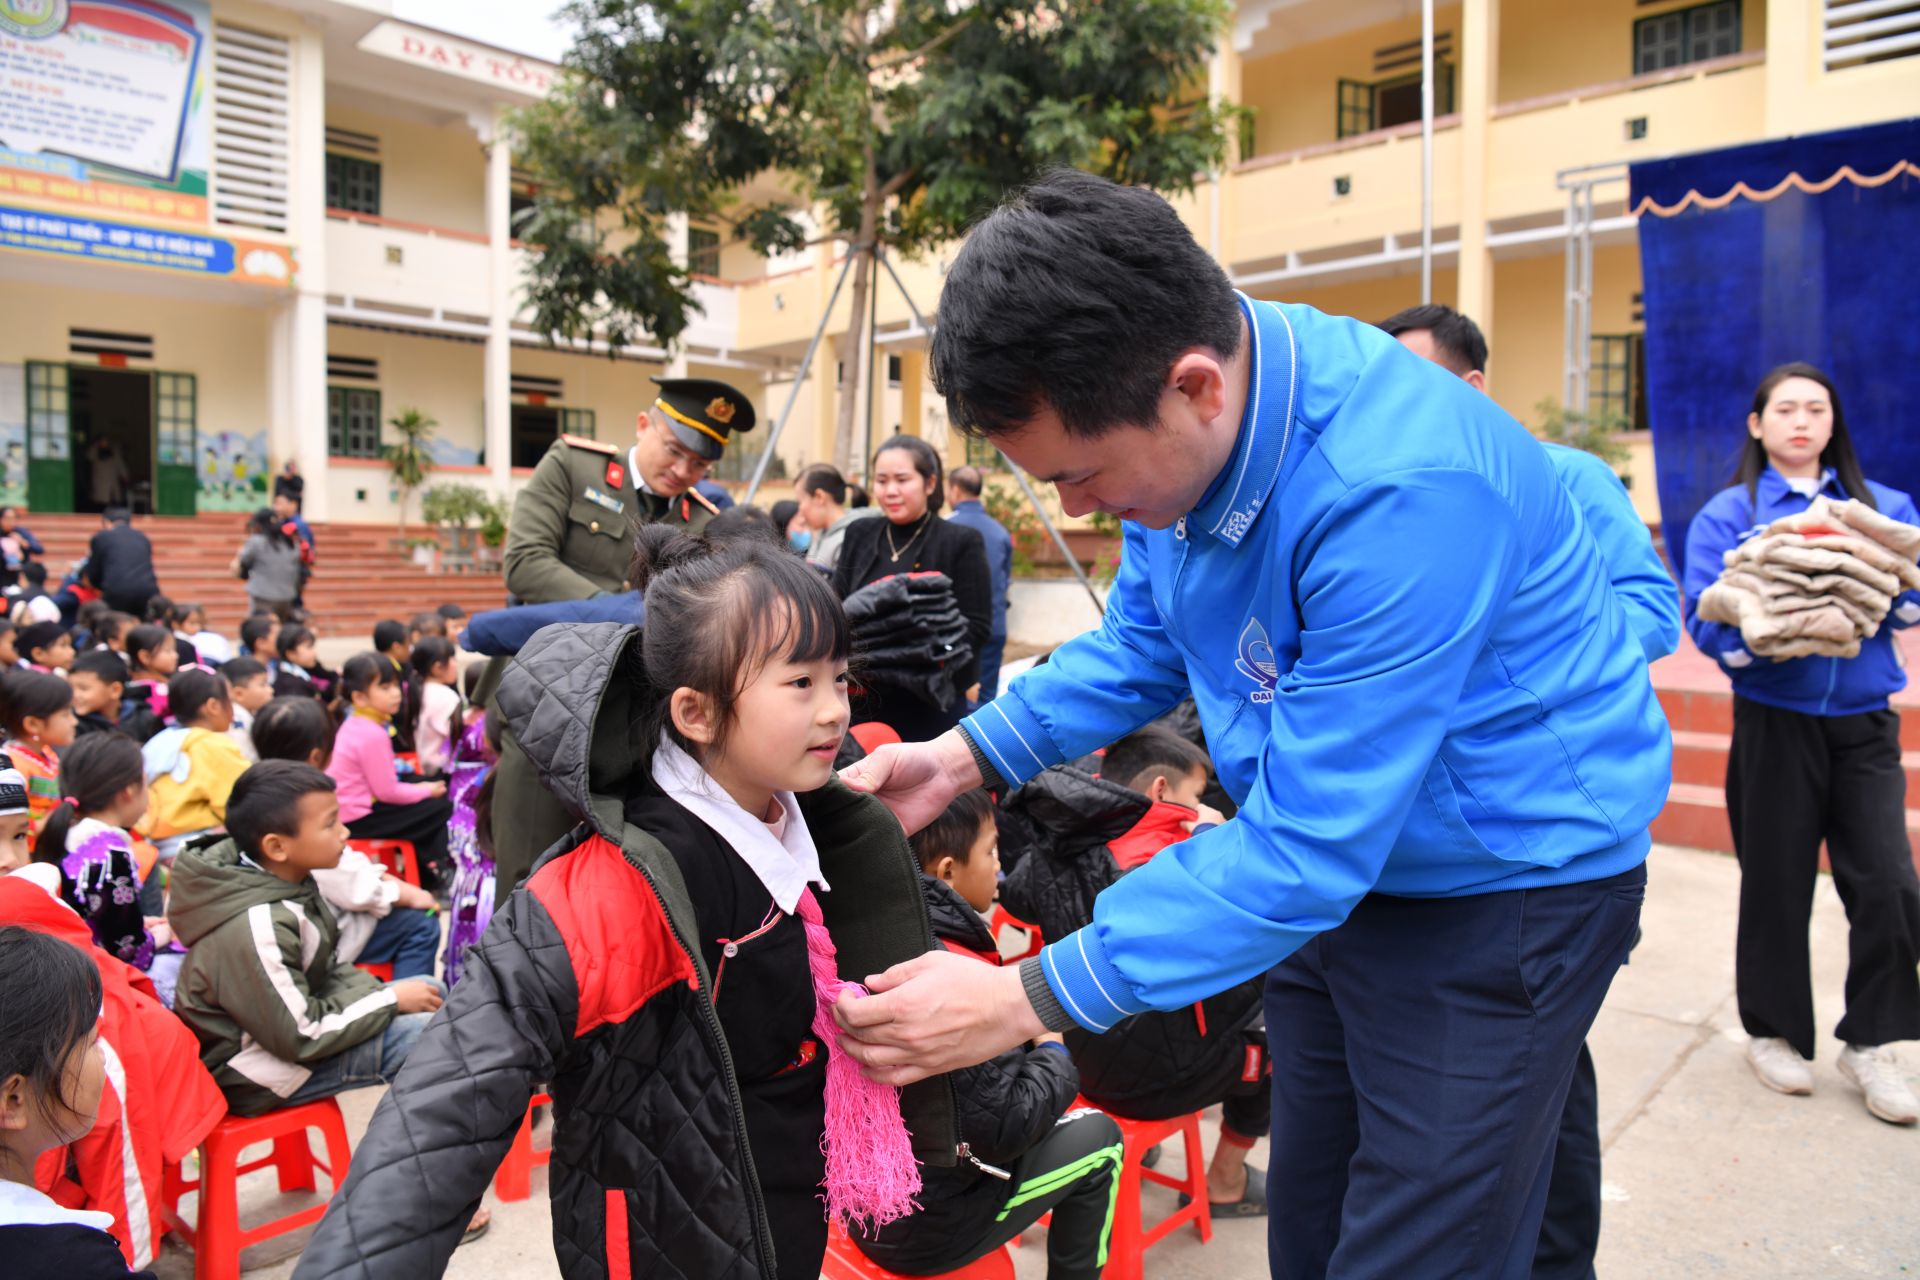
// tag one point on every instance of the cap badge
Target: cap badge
(721, 410)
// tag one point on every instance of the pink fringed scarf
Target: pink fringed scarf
(871, 1172)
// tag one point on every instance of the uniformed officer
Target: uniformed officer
(572, 530)
(571, 537)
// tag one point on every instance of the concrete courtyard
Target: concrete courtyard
(1707, 1173)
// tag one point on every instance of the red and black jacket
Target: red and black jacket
(590, 978)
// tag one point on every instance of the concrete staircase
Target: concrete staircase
(1699, 706)
(359, 577)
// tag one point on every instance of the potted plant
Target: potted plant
(408, 458)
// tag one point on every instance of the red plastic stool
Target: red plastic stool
(1005, 919)
(845, 1262)
(384, 972)
(216, 1235)
(872, 735)
(398, 856)
(514, 1181)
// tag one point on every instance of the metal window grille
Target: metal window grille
(1613, 390)
(1858, 32)
(353, 184)
(703, 252)
(252, 82)
(175, 411)
(1686, 35)
(353, 422)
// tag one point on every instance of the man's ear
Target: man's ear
(1476, 379)
(1199, 375)
(692, 714)
(1158, 788)
(16, 1103)
(945, 868)
(273, 846)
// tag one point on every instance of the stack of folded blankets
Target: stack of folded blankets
(1815, 584)
(908, 634)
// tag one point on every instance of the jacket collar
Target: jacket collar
(1773, 487)
(1266, 427)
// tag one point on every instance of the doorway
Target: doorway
(112, 421)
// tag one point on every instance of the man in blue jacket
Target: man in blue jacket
(1570, 1228)
(1414, 679)
(964, 487)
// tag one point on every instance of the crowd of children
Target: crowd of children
(163, 810)
(188, 806)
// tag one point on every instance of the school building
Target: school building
(234, 233)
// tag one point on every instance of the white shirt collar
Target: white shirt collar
(633, 469)
(25, 1206)
(784, 864)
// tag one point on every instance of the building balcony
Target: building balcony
(407, 267)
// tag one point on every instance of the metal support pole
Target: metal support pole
(1020, 477)
(1426, 151)
(800, 376)
(873, 371)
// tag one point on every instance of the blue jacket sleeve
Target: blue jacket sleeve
(504, 631)
(1356, 723)
(1906, 606)
(1096, 688)
(1715, 531)
(1645, 589)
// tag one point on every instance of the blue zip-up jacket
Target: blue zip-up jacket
(1814, 686)
(1647, 591)
(1413, 674)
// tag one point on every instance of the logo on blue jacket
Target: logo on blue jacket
(1256, 661)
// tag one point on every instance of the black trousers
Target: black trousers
(1070, 1173)
(1792, 780)
(1570, 1230)
(424, 823)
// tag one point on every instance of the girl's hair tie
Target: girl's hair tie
(72, 800)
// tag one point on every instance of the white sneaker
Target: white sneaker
(1877, 1072)
(1779, 1066)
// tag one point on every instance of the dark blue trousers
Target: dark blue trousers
(406, 938)
(1422, 1053)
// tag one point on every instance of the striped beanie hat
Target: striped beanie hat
(13, 787)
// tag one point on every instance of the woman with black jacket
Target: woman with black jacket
(908, 486)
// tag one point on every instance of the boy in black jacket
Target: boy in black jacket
(1026, 1149)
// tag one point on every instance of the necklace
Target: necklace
(896, 552)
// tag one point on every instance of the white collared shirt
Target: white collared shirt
(785, 863)
(633, 469)
(24, 1206)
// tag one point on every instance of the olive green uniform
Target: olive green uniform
(571, 536)
(573, 525)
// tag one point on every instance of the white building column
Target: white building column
(676, 249)
(298, 362)
(501, 286)
(1479, 94)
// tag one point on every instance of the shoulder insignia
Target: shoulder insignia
(581, 442)
(701, 498)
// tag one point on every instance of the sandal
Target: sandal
(478, 1227)
(1251, 1204)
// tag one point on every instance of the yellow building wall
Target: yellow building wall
(1293, 93)
(436, 176)
(1550, 48)
(617, 391)
(224, 346)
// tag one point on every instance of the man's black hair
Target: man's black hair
(266, 801)
(451, 611)
(1135, 760)
(255, 628)
(35, 573)
(1077, 294)
(1457, 340)
(116, 515)
(293, 728)
(388, 633)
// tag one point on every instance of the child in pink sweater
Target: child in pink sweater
(374, 803)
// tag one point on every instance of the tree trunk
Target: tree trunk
(854, 350)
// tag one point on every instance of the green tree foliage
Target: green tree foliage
(1594, 433)
(408, 459)
(904, 119)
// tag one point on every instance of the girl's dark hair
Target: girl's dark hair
(256, 627)
(92, 772)
(951, 835)
(857, 498)
(191, 690)
(37, 635)
(717, 615)
(925, 461)
(1839, 451)
(159, 609)
(291, 637)
(783, 513)
(267, 525)
(293, 729)
(429, 653)
(24, 694)
(362, 672)
(146, 638)
(181, 612)
(50, 994)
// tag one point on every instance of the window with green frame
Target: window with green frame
(577, 422)
(1615, 386)
(353, 422)
(175, 413)
(1686, 35)
(703, 252)
(1361, 107)
(353, 184)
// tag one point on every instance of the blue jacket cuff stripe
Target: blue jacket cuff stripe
(1008, 732)
(1088, 985)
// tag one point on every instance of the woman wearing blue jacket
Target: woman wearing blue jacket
(1816, 756)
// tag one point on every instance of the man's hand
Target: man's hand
(415, 997)
(916, 780)
(937, 1012)
(1208, 816)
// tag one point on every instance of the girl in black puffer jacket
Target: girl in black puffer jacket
(1022, 1142)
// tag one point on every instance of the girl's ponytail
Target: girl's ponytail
(92, 772)
(660, 548)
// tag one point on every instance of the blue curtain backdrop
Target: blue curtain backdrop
(1730, 292)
